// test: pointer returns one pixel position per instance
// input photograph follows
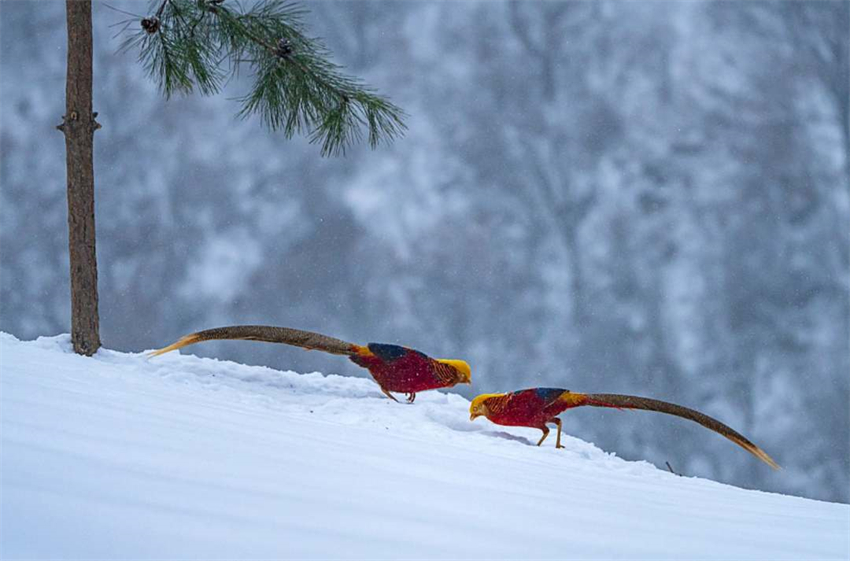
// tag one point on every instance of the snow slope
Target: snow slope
(120, 456)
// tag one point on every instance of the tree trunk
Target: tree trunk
(79, 125)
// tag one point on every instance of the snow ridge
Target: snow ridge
(122, 456)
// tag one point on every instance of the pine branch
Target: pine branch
(195, 44)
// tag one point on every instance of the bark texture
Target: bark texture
(78, 126)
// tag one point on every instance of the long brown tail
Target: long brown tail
(634, 402)
(269, 334)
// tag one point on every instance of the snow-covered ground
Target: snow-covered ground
(120, 456)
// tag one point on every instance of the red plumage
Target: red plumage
(528, 408)
(402, 370)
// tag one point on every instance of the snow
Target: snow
(121, 456)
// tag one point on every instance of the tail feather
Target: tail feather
(634, 402)
(179, 344)
(269, 334)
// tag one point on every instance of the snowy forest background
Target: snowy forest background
(647, 198)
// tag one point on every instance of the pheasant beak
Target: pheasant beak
(464, 373)
(477, 410)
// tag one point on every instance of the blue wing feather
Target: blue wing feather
(386, 352)
(549, 395)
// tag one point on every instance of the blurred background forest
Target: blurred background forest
(635, 197)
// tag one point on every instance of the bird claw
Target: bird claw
(411, 397)
(389, 395)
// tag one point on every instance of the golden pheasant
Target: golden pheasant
(537, 407)
(394, 368)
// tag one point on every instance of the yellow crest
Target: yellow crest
(479, 400)
(462, 368)
(479, 407)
